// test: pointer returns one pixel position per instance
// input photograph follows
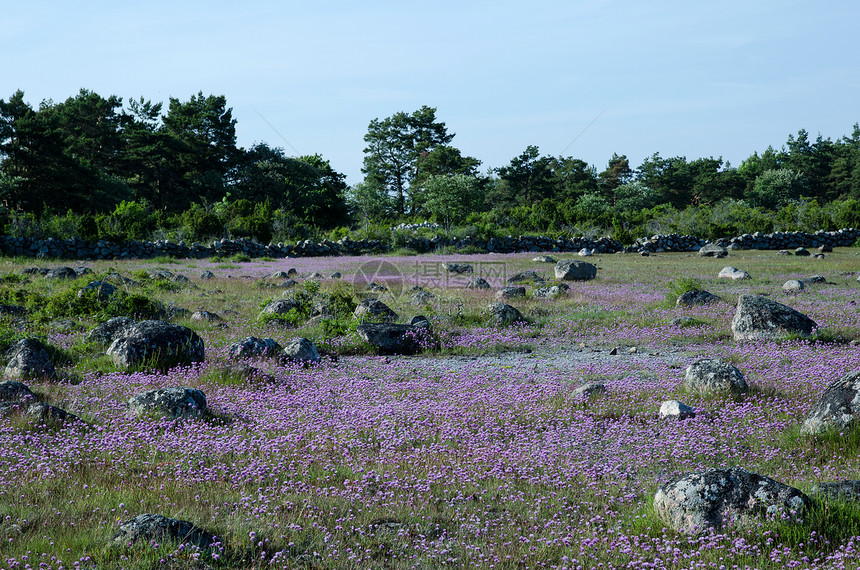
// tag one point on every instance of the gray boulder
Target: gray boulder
(713, 250)
(207, 275)
(159, 529)
(29, 358)
(171, 403)
(251, 347)
(575, 270)
(837, 490)
(813, 280)
(280, 307)
(675, 410)
(590, 390)
(158, 344)
(503, 314)
(302, 350)
(760, 318)
(478, 283)
(374, 310)
(110, 330)
(526, 277)
(793, 286)
(12, 391)
(390, 338)
(12, 310)
(549, 292)
(103, 290)
(48, 413)
(695, 502)
(61, 273)
(510, 292)
(733, 273)
(696, 298)
(802, 252)
(205, 317)
(419, 298)
(544, 259)
(837, 409)
(458, 268)
(714, 376)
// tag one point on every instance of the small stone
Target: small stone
(673, 409)
(590, 390)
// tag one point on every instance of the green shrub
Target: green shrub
(678, 287)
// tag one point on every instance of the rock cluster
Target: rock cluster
(76, 248)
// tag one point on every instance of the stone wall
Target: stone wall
(79, 249)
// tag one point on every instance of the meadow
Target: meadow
(475, 453)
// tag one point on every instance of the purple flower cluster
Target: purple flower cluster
(487, 462)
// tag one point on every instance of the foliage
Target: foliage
(679, 286)
(396, 144)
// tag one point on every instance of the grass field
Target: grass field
(473, 454)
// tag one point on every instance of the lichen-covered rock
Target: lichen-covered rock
(837, 409)
(714, 376)
(251, 347)
(281, 307)
(157, 344)
(526, 277)
(102, 289)
(549, 292)
(793, 286)
(503, 314)
(12, 391)
(171, 403)
(390, 338)
(478, 283)
(207, 275)
(713, 250)
(302, 350)
(110, 330)
(419, 298)
(374, 310)
(205, 317)
(590, 390)
(458, 268)
(511, 292)
(575, 270)
(838, 490)
(29, 358)
(695, 502)
(157, 528)
(696, 298)
(760, 318)
(46, 412)
(729, 272)
(544, 259)
(61, 273)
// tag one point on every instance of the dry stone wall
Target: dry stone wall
(80, 249)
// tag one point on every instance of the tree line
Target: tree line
(107, 166)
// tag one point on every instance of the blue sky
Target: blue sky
(679, 78)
